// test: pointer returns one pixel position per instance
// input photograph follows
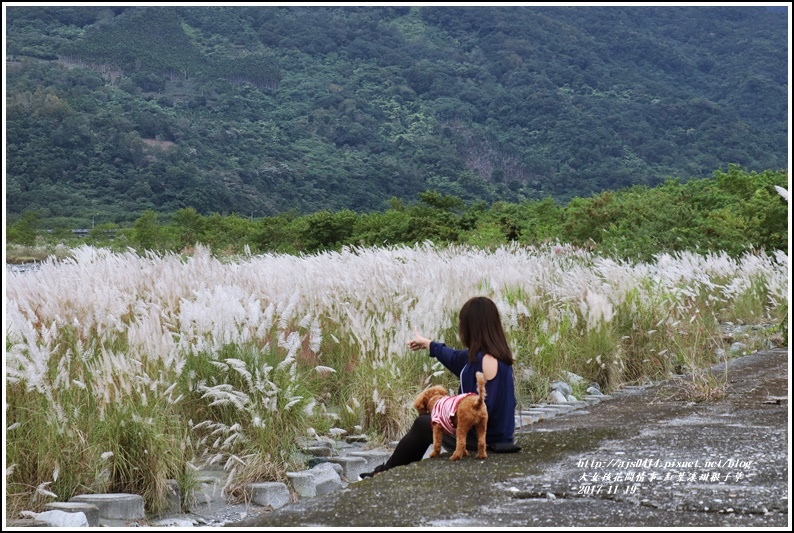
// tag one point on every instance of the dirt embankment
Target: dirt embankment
(645, 458)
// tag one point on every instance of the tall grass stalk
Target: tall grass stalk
(123, 371)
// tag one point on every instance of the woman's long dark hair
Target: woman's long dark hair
(481, 330)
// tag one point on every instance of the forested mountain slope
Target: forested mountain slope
(261, 110)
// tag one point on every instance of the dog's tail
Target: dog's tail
(481, 388)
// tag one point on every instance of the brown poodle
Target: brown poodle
(455, 415)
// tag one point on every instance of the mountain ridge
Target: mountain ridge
(261, 110)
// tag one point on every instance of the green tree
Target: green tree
(485, 235)
(587, 218)
(230, 233)
(146, 232)
(190, 226)
(383, 229)
(24, 230)
(439, 201)
(325, 230)
(755, 199)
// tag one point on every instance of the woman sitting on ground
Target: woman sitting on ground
(480, 330)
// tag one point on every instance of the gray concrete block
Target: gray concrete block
(319, 451)
(173, 495)
(270, 493)
(573, 379)
(336, 467)
(546, 412)
(58, 518)
(27, 522)
(90, 510)
(209, 489)
(321, 479)
(562, 407)
(303, 483)
(562, 387)
(352, 439)
(556, 396)
(525, 418)
(327, 478)
(351, 466)
(314, 461)
(373, 457)
(119, 506)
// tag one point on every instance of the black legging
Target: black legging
(414, 444)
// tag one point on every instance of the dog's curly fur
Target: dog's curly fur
(471, 413)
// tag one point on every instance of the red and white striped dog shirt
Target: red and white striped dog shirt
(445, 409)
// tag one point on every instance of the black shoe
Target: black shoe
(378, 470)
(503, 447)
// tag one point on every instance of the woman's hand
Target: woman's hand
(418, 342)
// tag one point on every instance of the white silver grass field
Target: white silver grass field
(235, 359)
